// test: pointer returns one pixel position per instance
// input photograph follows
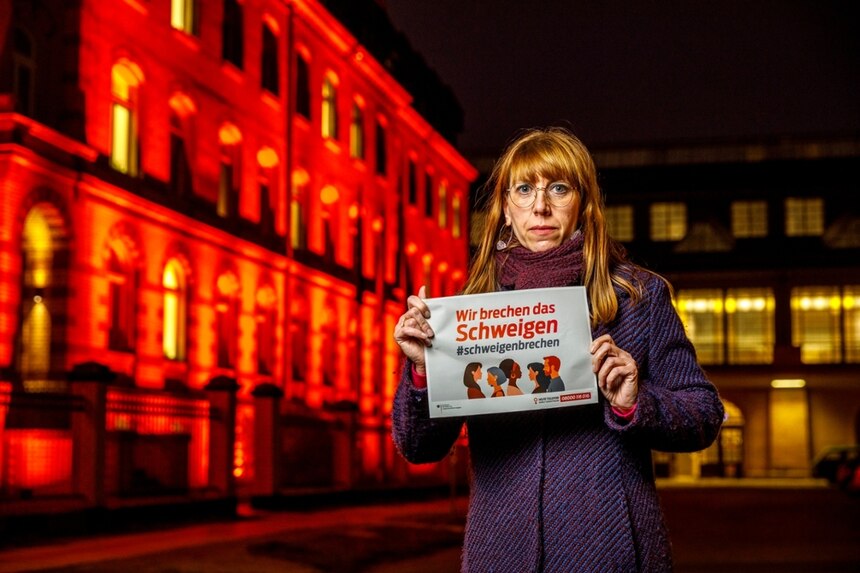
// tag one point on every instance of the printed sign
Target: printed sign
(510, 351)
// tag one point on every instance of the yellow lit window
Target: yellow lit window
(750, 325)
(173, 328)
(619, 219)
(356, 133)
(804, 217)
(749, 219)
(668, 221)
(455, 217)
(815, 318)
(443, 205)
(701, 311)
(851, 322)
(329, 109)
(182, 15)
(124, 142)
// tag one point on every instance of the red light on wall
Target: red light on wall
(377, 225)
(427, 259)
(411, 248)
(229, 134)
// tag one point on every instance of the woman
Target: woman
(471, 375)
(537, 376)
(495, 378)
(570, 489)
(513, 372)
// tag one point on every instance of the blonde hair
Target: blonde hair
(555, 154)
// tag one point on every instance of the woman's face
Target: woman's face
(516, 372)
(491, 380)
(532, 374)
(477, 374)
(543, 225)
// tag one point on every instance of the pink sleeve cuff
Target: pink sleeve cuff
(418, 380)
(623, 413)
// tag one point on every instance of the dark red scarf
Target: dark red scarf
(520, 268)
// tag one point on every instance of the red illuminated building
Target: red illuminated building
(212, 214)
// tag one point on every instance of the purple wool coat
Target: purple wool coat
(572, 489)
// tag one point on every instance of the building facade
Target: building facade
(761, 242)
(212, 215)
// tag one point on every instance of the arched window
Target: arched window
(303, 87)
(329, 108)
(227, 320)
(267, 162)
(182, 110)
(232, 37)
(230, 174)
(269, 66)
(24, 72)
(266, 318)
(173, 282)
(122, 303)
(298, 217)
(183, 15)
(356, 132)
(124, 146)
(36, 304)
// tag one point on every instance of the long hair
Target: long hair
(556, 154)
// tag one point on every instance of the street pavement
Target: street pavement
(725, 526)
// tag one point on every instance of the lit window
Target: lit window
(804, 217)
(668, 221)
(701, 311)
(298, 224)
(227, 320)
(230, 176)
(303, 87)
(232, 38)
(183, 15)
(124, 138)
(456, 216)
(851, 322)
(815, 324)
(750, 325)
(329, 109)
(266, 320)
(38, 258)
(749, 219)
(122, 304)
(356, 133)
(269, 65)
(619, 219)
(23, 72)
(173, 329)
(443, 205)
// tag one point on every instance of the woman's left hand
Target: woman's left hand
(617, 373)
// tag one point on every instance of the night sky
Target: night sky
(636, 72)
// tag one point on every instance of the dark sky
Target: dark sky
(621, 72)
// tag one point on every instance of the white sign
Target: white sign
(510, 351)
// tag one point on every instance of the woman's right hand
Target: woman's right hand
(412, 332)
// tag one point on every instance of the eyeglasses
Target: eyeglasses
(558, 194)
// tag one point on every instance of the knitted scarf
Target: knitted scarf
(520, 268)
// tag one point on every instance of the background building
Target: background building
(212, 214)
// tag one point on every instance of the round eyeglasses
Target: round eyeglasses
(558, 194)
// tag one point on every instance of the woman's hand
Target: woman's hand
(412, 332)
(617, 373)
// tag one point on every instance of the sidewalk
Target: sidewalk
(251, 523)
